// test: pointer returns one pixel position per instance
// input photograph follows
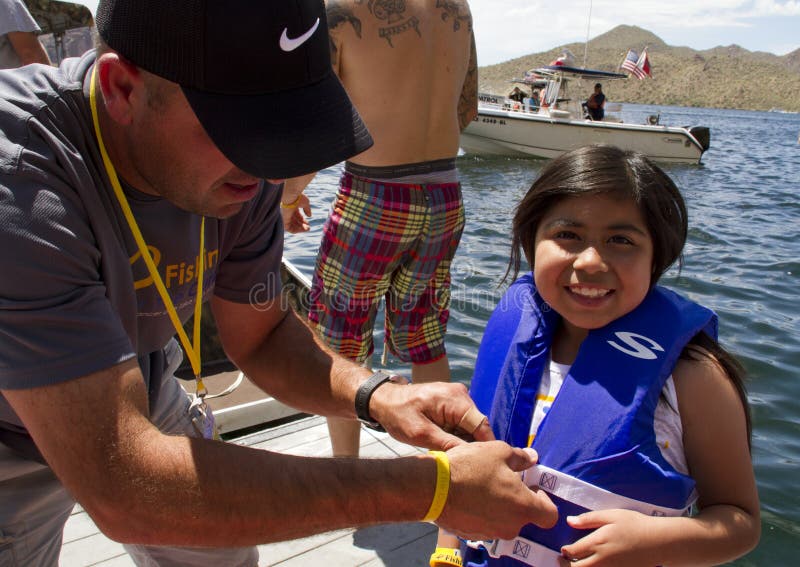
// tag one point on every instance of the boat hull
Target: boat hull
(514, 133)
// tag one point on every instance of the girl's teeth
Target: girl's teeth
(589, 292)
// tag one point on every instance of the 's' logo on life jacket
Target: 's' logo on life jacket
(634, 347)
(548, 481)
(522, 549)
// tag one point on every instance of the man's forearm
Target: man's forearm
(214, 494)
(141, 485)
(294, 366)
(468, 101)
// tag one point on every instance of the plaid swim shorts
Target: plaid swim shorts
(394, 241)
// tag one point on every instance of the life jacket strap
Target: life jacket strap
(592, 497)
(520, 549)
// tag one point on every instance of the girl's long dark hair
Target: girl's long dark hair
(608, 170)
(605, 170)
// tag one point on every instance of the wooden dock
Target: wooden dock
(394, 545)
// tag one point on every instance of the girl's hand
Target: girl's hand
(621, 538)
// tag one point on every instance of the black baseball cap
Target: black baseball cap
(257, 74)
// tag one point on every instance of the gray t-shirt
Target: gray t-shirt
(75, 295)
(14, 17)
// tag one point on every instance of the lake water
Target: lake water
(742, 259)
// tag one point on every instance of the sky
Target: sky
(505, 29)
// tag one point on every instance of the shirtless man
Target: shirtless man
(410, 67)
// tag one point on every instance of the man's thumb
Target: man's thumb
(522, 459)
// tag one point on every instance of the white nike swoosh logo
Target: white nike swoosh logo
(292, 44)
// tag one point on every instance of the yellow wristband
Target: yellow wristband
(293, 204)
(446, 556)
(442, 486)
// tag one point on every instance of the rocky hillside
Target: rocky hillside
(722, 77)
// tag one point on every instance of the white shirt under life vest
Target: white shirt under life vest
(667, 421)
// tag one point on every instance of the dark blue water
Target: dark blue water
(742, 259)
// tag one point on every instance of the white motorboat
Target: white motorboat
(511, 127)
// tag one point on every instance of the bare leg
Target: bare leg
(436, 371)
(345, 436)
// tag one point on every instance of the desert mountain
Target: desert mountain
(721, 77)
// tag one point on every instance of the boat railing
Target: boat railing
(563, 109)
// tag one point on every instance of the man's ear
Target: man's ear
(121, 85)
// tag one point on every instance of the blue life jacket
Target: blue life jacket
(596, 444)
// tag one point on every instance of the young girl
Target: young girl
(636, 412)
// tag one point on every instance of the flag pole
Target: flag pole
(588, 27)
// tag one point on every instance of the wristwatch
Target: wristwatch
(364, 394)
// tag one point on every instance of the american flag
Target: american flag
(637, 65)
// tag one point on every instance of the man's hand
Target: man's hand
(293, 219)
(427, 415)
(487, 498)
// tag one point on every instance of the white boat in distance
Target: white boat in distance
(509, 127)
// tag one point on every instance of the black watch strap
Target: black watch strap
(363, 396)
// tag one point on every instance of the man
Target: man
(596, 102)
(18, 42)
(131, 190)
(411, 70)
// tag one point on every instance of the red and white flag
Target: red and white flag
(644, 64)
(638, 65)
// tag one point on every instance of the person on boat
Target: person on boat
(397, 220)
(19, 44)
(137, 182)
(635, 410)
(536, 101)
(517, 94)
(595, 104)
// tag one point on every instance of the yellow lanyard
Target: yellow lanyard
(192, 349)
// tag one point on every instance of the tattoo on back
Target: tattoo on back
(452, 9)
(338, 15)
(393, 11)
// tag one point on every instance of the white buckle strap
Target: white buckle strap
(521, 549)
(573, 490)
(592, 497)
